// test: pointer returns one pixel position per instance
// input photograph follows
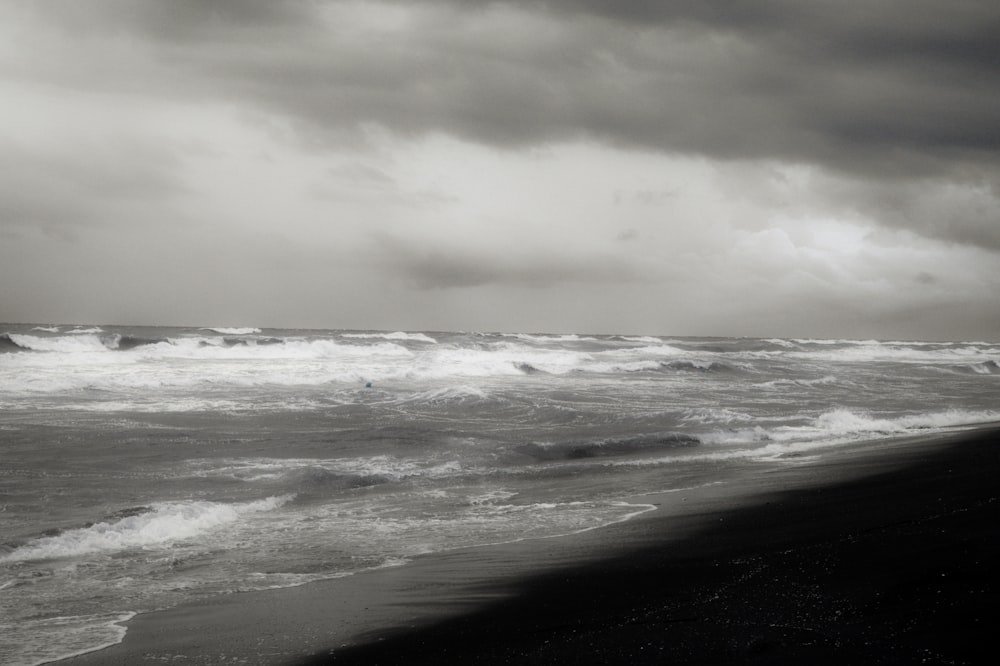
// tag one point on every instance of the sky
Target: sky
(699, 167)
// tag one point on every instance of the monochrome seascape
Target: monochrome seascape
(144, 468)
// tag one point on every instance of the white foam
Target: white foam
(781, 342)
(33, 642)
(847, 422)
(449, 394)
(656, 350)
(570, 337)
(83, 342)
(398, 335)
(277, 469)
(246, 330)
(840, 425)
(825, 380)
(492, 497)
(713, 415)
(164, 524)
(873, 351)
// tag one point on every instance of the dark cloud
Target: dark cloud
(896, 94)
(957, 211)
(891, 88)
(177, 20)
(449, 265)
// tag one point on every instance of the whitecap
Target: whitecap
(245, 330)
(162, 524)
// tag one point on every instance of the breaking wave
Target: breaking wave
(246, 330)
(142, 527)
(985, 368)
(82, 342)
(398, 335)
(845, 424)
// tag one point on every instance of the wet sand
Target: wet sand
(876, 554)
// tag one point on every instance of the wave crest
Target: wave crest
(222, 330)
(139, 528)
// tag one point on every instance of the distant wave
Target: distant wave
(858, 351)
(81, 342)
(398, 335)
(985, 368)
(74, 342)
(9, 344)
(569, 337)
(126, 342)
(818, 381)
(694, 365)
(644, 339)
(232, 331)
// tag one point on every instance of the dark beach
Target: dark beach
(876, 554)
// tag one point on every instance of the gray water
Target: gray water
(143, 467)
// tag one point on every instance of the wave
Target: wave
(569, 337)
(449, 394)
(127, 342)
(695, 365)
(76, 342)
(894, 352)
(148, 359)
(246, 330)
(398, 335)
(82, 342)
(611, 446)
(846, 425)
(316, 478)
(781, 342)
(704, 415)
(46, 329)
(346, 473)
(36, 641)
(985, 368)
(8, 344)
(643, 339)
(142, 527)
(825, 380)
(847, 422)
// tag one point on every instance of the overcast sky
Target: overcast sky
(705, 167)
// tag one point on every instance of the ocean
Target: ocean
(142, 467)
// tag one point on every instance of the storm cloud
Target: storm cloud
(436, 140)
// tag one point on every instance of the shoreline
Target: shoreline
(603, 594)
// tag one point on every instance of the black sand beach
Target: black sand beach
(868, 557)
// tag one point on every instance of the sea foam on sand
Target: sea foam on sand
(878, 554)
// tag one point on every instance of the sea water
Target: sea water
(144, 467)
